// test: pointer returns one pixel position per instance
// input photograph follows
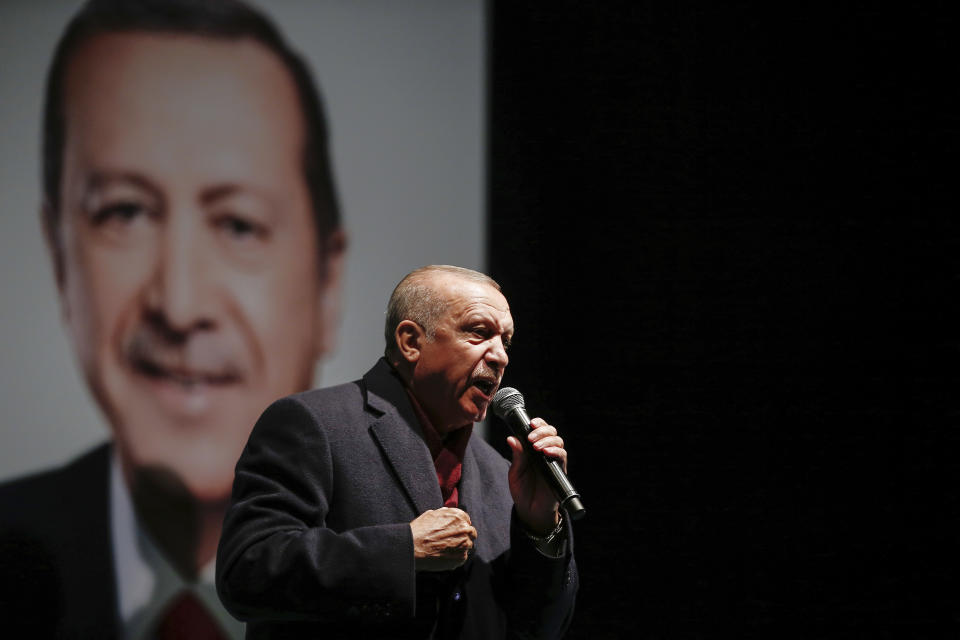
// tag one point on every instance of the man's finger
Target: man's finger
(547, 441)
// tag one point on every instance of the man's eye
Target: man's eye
(120, 212)
(241, 228)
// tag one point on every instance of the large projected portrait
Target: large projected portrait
(224, 196)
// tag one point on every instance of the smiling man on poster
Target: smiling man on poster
(191, 218)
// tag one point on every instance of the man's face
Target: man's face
(188, 256)
(460, 368)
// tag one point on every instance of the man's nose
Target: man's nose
(178, 293)
(497, 354)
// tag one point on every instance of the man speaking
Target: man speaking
(368, 510)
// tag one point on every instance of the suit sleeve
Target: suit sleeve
(540, 590)
(277, 559)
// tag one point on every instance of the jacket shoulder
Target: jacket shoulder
(310, 417)
(56, 562)
(319, 401)
(40, 497)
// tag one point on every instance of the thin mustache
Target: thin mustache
(203, 354)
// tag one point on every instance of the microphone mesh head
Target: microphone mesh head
(506, 400)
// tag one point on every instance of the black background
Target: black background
(729, 240)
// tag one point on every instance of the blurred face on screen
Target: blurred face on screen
(190, 274)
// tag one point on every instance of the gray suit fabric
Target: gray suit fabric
(56, 560)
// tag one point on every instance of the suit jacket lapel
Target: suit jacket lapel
(470, 489)
(396, 429)
(478, 498)
(89, 581)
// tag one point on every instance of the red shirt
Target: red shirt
(447, 453)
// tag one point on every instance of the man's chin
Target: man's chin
(477, 413)
(203, 488)
(204, 478)
(212, 491)
(154, 481)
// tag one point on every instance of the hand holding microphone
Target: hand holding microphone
(508, 405)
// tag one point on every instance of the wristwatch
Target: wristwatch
(547, 539)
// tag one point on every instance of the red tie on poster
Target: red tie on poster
(187, 619)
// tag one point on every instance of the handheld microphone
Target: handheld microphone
(508, 405)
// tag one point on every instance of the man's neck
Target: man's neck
(423, 414)
(187, 530)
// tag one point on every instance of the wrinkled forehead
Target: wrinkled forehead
(465, 296)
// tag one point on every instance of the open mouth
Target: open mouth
(486, 386)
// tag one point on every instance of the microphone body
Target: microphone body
(509, 407)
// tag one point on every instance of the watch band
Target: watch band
(547, 539)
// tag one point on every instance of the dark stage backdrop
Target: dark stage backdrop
(730, 243)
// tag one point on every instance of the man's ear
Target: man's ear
(409, 337)
(51, 234)
(331, 287)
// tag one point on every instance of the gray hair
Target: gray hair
(414, 298)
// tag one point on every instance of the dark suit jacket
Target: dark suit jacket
(56, 562)
(317, 541)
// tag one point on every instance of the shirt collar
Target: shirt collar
(146, 581)
(455, 441)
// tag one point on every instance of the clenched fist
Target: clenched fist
(442, 539)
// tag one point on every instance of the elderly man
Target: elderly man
(368, 510)
(192, 222)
